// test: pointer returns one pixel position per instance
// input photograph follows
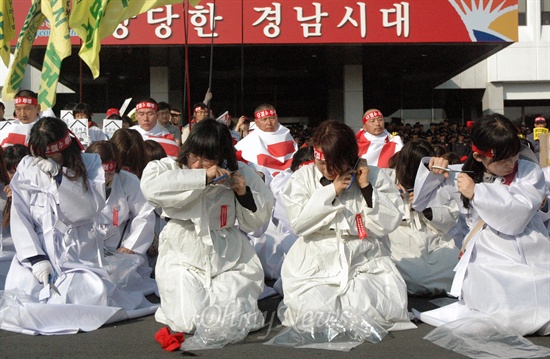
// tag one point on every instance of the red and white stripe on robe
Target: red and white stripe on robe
(15, 134)
(270, 150)
(163, 137)
(378, 149)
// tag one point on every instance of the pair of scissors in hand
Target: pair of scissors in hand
(450, 170)
(53, 287)
(353, 173)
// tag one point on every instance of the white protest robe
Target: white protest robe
(15, 133)
(7, 251)
(329, 269)
(504, 272)
(544, 212)
(273, 245)
(270, 152)
(128, 221)
(162, 136)
(378, 149)
(422, 249)
(57, 221)
(206, 266)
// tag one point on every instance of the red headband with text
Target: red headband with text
(59, 145)
(264, 113)
(25, 101)
(145, 105)
(109, 166)
(372, 114)
(489, 154)
(318, 155)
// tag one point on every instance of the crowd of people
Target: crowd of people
(345, 225)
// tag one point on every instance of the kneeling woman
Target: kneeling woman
(57, 192)
(206, 266)
(341, 209)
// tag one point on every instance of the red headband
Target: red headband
(199, 108)
(264, 113)
(145, 104)
(109, 166)
(489, 154)
(25, 101)
(60, 145)
(318, 154)
(372, 114)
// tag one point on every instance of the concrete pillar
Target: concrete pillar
(353, 96)
(493, 98)
(159, 83)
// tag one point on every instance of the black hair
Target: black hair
(107, 151)
(153, 150)
(337, 142)
(131, 149)
(303, 154)
(48, 130)
(409, 160)
(163, 106)
(14, 154)
(26, 93)
(491, 133)
(82, 107)
(211, 140)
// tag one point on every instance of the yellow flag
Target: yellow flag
(21, 56)
(7, 30)
(59, 47)
(94, 20)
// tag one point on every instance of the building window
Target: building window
(522, 12)
(545, 12)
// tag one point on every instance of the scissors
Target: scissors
(450, 170)
(53, 287)
(353, 174)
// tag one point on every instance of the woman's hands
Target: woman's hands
(440, 162)
(466, 185)
(218, 175)
(361, 175)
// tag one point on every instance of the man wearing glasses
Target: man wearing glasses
(376, 144)
(164, 120)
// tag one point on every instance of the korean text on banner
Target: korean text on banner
(94, 20)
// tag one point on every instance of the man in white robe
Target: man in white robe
(27, 110)
(147, 117)
(270, 146)
(376, 144)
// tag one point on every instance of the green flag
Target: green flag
(7, 30)
(94, 20)
(21, 56)
(59, 47)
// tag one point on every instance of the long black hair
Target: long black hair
(211, 140)
(337, 141)
(409, 159)
(48, 130)
(491, 133)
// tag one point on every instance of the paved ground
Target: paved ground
(135, 339)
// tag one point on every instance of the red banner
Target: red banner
(310, 22)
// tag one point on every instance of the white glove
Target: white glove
(42, 271)
(47, 165)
